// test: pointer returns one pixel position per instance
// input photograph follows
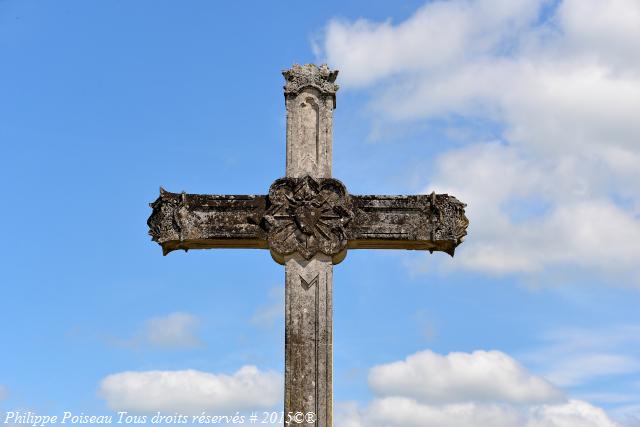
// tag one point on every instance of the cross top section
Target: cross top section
(310, 75)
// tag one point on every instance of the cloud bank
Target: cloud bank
(481, 376)
(557, 189)
(191, 391)
(483, 388)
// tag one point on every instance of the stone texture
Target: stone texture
(310, 99)
(308, 221)
(436, 222)
(308, 216)
(196, 221)
(321, 78)
(309, 337)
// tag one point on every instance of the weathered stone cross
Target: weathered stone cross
(308, 221)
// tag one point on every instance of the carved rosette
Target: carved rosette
(310, 75)
(307, 216)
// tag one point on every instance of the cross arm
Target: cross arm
(307, 216)
(434, 222)
(196, 221)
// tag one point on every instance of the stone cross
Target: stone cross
(308, 221)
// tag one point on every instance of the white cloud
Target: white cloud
(465, 390)
(566, 91)
(404, 412)
(495, 180)
(572, 414)
(481, 376)
(438, 34)
(191, 391)
(174, 330)
(579, 369)
(572, 357)
(614, 37)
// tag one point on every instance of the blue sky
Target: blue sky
(527, 112)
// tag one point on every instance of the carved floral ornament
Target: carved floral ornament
(310, 75)
(307, 216)
(169, 218)
(446, 220)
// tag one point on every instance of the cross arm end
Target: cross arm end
(435, 222)
(196, 221)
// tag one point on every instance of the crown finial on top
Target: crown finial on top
(310, 75)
